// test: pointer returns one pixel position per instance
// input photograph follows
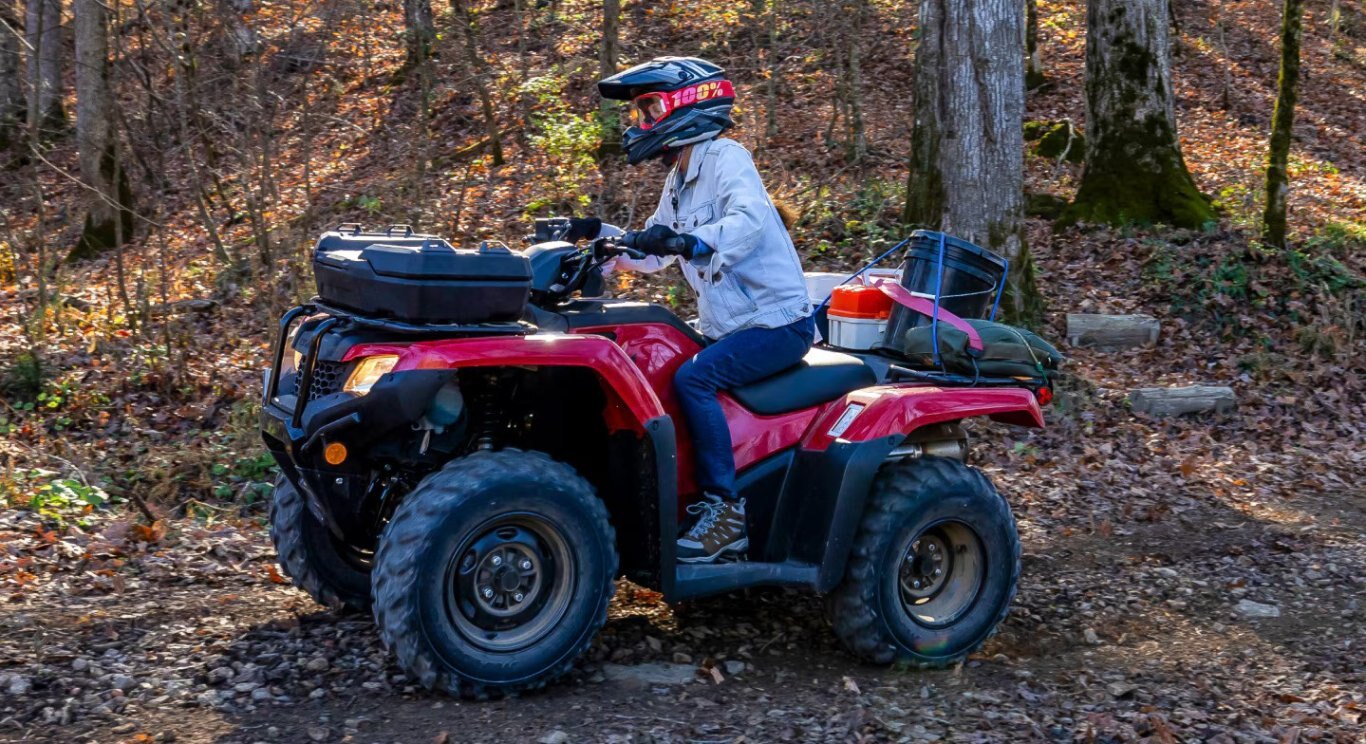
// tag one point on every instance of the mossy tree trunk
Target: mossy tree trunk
(107, 182)
(12, 106)
(43, 32)
(1134, 171)
(967, 140)
(1282, 124)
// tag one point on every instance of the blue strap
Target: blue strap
(1000, 290)
(938, 286)
(862, 271)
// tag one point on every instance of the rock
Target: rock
(1090, 636)
(260, 695)
(1172, 401)
(1111, 332)
(317, 733)
(80, 665)
(317, 664)
(1121, 689)
(18, 685)
(682, 658)
(734, 667)
(1168, 573)
(554, 737)
(1248, 608)
(650, 674)
(122, 682)
(219, 675)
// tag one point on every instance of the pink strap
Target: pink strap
(903, 296)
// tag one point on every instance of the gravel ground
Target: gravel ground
(1207, 626)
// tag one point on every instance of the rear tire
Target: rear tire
(933, 568)
(311, 557)
(494, 574)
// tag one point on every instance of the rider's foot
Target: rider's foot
(719, 529)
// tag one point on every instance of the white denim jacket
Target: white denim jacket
(753, 276)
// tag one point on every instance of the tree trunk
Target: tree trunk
(608, 122)
(1034, 77)
(478, 70)
(418, 31)
(967, 141)
(12, 105)
(100, 169)
(1282, 124)
(607, 57)
(1134, 169)
(43, 30)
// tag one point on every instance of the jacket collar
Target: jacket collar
(699, 150)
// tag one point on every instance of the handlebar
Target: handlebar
(619, 246)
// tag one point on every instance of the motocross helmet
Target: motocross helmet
(674, 102)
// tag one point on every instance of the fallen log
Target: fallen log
(1174, 401)
(1111, 332)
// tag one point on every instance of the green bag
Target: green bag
(1007, 351)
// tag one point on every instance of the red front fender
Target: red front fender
(900, 409)
(631, 402)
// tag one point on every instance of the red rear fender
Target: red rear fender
(631, 402)
(900, 409)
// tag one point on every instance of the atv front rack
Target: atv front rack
(340, 318)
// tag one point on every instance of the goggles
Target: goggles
(648, 109)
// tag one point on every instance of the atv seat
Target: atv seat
(820, 377)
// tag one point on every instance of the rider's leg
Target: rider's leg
(738, 359)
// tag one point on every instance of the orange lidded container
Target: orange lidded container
(858, 301)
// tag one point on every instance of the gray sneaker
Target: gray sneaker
(720, 528)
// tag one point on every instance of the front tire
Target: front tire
(933, 568)
(314, 560)
(494, 574)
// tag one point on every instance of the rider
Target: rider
(717, 222)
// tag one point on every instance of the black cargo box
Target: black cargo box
(399, 274)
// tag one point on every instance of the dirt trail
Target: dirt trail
(1113, 638)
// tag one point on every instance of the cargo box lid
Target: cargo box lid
(434, 259)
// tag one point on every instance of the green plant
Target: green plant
(52, 497)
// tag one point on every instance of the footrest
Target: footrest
(700, 579)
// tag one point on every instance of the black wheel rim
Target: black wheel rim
(510, 583)
(940, 573)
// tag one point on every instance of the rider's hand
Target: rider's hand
(660, 240)
(583, 228)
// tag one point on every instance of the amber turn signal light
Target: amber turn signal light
(335, 453)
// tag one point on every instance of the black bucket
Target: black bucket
(969, 286)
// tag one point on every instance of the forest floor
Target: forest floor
(1190, 579)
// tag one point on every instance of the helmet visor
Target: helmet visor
(648, 109)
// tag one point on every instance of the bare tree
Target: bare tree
(1134, 167)
(43, 30)
(967, 142)
(12, 105)
(478, 70)
(419, 31)
(100, 168)
(1282, 125)
(1034, 77)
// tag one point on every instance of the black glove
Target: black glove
(583, 228)
(660, 240)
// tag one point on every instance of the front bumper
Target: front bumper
(297, 426)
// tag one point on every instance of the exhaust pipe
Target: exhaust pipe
(956, 449)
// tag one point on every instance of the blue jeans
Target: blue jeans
(743, 357)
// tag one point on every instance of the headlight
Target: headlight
(368, 373)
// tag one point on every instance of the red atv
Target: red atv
(476, 448)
